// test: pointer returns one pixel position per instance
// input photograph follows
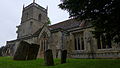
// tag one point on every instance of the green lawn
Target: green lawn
(7, 62)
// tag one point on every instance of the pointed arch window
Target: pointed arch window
(26, 15)
(30, 27)
(39, 17)
(44, 41)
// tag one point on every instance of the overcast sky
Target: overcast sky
(11, 11)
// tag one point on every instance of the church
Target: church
(71, 35)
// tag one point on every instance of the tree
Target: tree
(104, 16)
(48, 22)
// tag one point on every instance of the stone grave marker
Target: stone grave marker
(49, 58)
(22, 51)
(33, 51)
(63, 56)
(26, 51)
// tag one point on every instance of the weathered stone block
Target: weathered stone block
(49, 58)
(63, 56)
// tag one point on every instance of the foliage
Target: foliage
(7, 62)
(104, 15)
(48, 22)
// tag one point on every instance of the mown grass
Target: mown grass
(7, 62)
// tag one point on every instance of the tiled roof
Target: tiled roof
(68, 24)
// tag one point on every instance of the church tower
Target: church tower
(33, 18)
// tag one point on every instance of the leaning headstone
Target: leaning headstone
(63, 56)
(22, 51)
(49, 58)
(33, 51)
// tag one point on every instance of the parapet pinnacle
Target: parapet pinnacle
(33, 1)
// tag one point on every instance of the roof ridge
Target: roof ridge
(61, 22)
(70, 23)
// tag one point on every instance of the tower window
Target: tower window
(26, 15)
(30, 27)
(39, 17)
(31, 23)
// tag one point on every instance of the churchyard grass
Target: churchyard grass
(7, 62)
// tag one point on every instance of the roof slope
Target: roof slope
(68, 24)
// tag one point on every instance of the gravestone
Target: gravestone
(63, 56)
(33, 51)
(26, 51)
(22, 51)
(49, 58)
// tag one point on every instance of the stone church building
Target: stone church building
(71, 35)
